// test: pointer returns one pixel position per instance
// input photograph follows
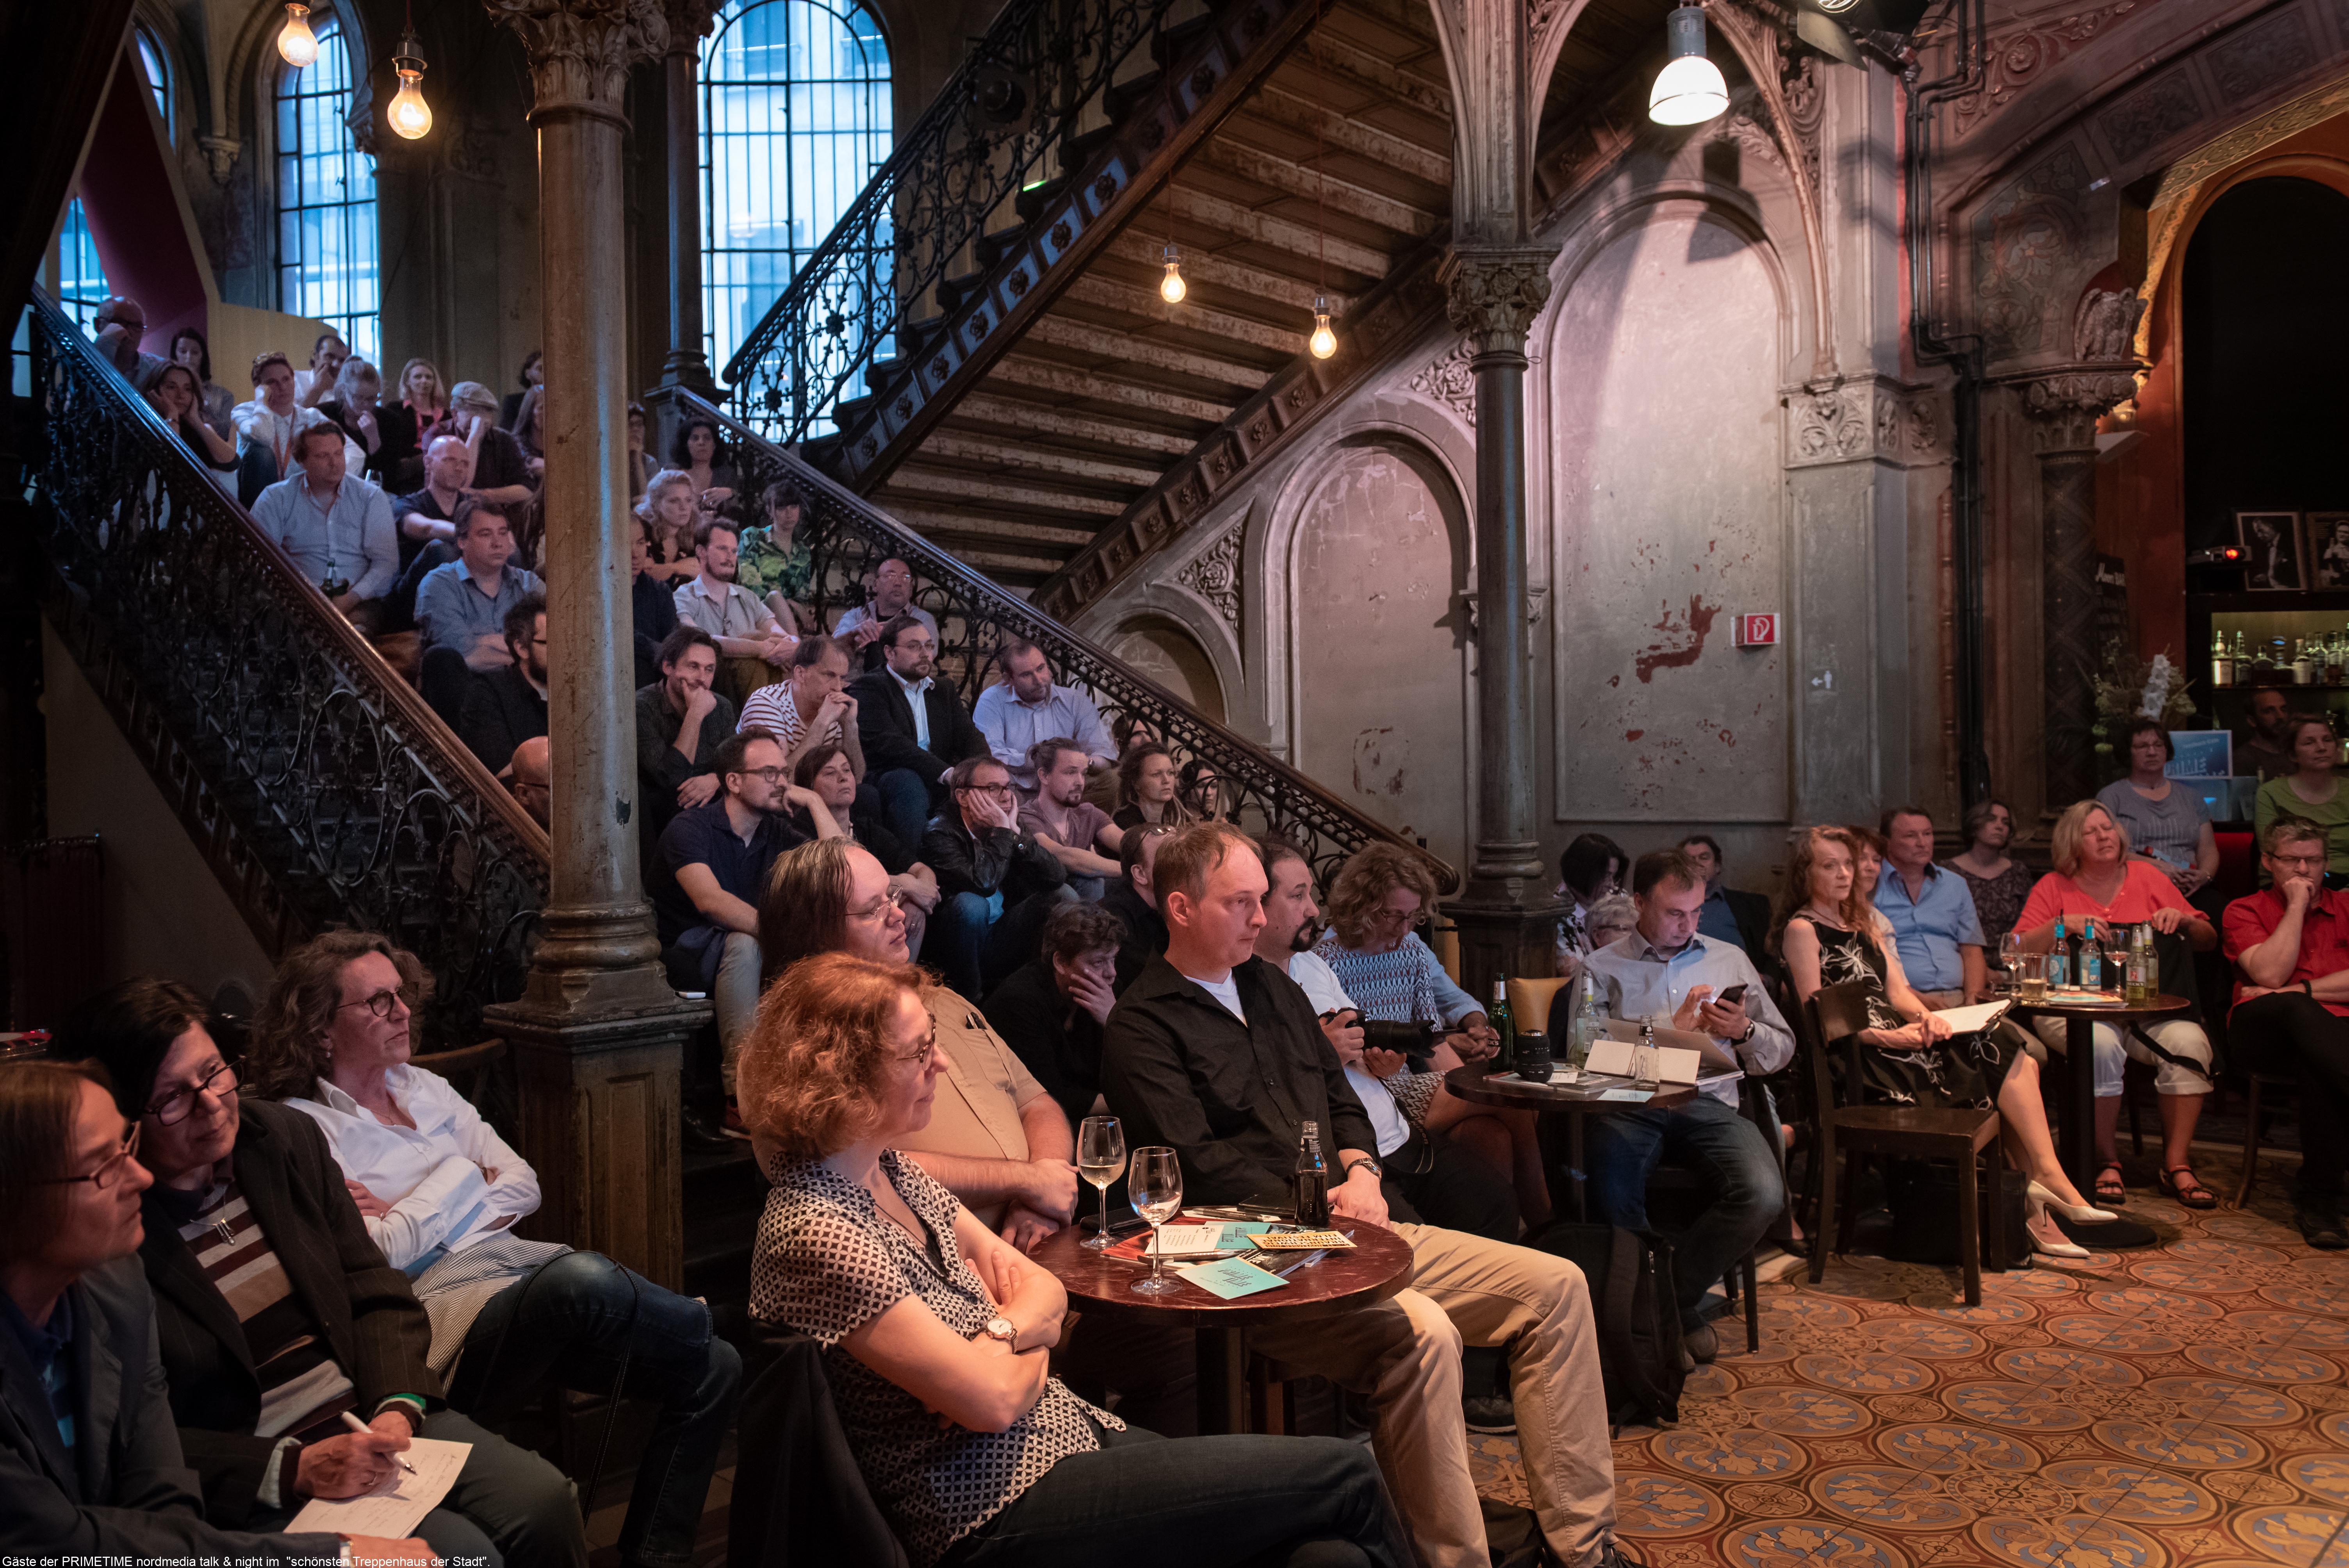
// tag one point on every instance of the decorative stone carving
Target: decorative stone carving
(1451, 382)
(1494, 294)
(1214, 575)
(2106, 324)
(2017, 58)
(580, 51)
(689, 20)
(1541, 16)
(2027, 241)
(2164, 107)
(220, 156)
(2247, 64)
(1866, 419)
(2066, 403)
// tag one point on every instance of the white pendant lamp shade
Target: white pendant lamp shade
(1689, 89)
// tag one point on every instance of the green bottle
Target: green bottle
(1503, 1025)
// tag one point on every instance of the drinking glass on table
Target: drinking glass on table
(1155, 1186)
(2010, 959)
(1101, 1160)
(2115, 940)
(2033, 968)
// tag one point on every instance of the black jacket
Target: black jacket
(1056, 1039)
(800, 1500)
(1231, 1099)
(1751, 912)
(501, 710)
(999, 860)
(365, 1307)
(885, 725)
(1145, 930)
(123, 1491)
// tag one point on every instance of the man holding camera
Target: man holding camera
(1665, 967)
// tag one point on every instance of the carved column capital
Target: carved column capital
(580, 51)
(689, 22)
(2066, 403)
(1494, 294)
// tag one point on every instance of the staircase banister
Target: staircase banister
(426, 730)
(1078, 660)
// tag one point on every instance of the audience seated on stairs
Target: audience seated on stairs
(316, 386)
(1217, 1053)
(826, 771)
(708, 874)
(427, 519)
(1134, 899)
(91, 1465)
(507, 706)
(1079, 834)
(667, 506)
(529, 774)
(652, 603)
(265, 429)
(810, 706)
(753, 648)
(1051, 1009)
(698, 452)
(912, 727)
(892, 594)
(995, 882)
(461, 607)
(173, 395)
(335, 527)
(193, 349)
(1668, 966)
(1149, 788)
(2290, 946)
(776, 564)
(502, 470)
(680, 725)
(438, 1190)
(1026, 706)
(937, 1332)
(119, 327)
(275, 1310)
(423, 399)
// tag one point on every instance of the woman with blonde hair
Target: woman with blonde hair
(1149, 788)
(1908, 1054)
(936, 1333)
(668, 510)
(1380, 894)
(423, 400)
(2096, 878)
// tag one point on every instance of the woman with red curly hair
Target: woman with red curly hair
(937, 1332)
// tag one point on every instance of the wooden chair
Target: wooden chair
(1840, 1012)
(467, 1067)
(2251, 1132)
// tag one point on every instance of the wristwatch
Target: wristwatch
(1000, 1329)
(1377, 1171)
(1747, 1036)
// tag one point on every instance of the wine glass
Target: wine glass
(1155, 1190)
(2010, 960)
(1101, 1160)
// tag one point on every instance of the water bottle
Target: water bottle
(1504, 1024)
(1311, 1180)
(2091, 963)
(2059, 958)
(1589, 1022)
(1643, 1057)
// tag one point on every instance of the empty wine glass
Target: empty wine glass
(1154, 1187)
(1101, 1160)
(2010, 960)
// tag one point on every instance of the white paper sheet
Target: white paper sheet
(1966, 1020)
(398, 1505)
(1612, 1058)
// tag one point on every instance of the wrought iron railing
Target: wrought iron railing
(343, 790)
(849, 537)
(1038, 76)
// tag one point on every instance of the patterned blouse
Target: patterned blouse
(764, 569)
(1406, 985)
(828, 1261)
(1998, 901)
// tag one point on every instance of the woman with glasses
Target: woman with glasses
(274, 1311)
(936, 1334)
(438, 1190)
(825, 771)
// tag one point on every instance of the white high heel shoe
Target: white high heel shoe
(2036, 1211)
(2078, 1214)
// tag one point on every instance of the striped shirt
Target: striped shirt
(774, 709)
(301, 1385)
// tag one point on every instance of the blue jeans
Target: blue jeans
(973, 941)
(904, 805)
(1725, 1149)
(572, 1325)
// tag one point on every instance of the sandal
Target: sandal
(2190, 1194)
(2114, 1191)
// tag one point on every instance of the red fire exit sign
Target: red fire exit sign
(1757, 631)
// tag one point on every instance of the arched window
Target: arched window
(325, 197)
(81, 276)
(153, 62)
(794, 121)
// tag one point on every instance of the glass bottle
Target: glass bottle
(2141, 965)
(2222, 662)
(1589, 1022)
(2059, 958)
(1312, 1180)
(2300, 668)
(2091, 963)
(1504, 1024)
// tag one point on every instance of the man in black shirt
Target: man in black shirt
(1051, 1010)
(426, 520)
(1219, 1054)
(1132, 899)
(681, 722)
(995, 884)
(507, 706)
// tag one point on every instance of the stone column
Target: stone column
(1493, 294)
(2063, 406)
(598, 1031)
(687, 366)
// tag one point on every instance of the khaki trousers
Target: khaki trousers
(1404, 1354)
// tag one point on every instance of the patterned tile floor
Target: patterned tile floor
(2180, 1404)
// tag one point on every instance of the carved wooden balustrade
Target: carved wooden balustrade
(313, 780)
(849, 537)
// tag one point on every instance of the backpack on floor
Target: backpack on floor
(1637, 1310)
(1923, 1197)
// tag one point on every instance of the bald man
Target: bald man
(119, 327)
(531, 778)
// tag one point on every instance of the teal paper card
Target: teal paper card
(1227, 1278)
(1237, 1233)
(1635, 1096)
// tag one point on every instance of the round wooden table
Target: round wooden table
(1478, 1085)
(1377, 1267)
(2079, 1148)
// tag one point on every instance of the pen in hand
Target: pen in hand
(363, 1430)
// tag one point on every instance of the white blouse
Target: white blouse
(434, 1175)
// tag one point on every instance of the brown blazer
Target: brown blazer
(365, 1307)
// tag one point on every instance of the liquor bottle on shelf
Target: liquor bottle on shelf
(2222, 662)
(2243, 661)
(2302, 669)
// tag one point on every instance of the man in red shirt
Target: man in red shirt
(2290, 946)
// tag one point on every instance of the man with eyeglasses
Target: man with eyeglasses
(912, 727)
(91, 1461)
(508, 705)
(997, 883)
(2290, 946)
(707, 875)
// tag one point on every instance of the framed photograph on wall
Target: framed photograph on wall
(2328, 549)
(2279, 555)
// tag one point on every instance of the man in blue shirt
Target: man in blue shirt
(1933, 913)
(336, 528)
(1666, 965)
(1730, 914)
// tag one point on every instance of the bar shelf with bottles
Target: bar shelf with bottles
(2245, 648)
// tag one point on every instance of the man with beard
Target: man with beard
(753, 648)
(680, 725)
(2265, 748)
(508, 705)
(913, 728)
(1079, 834)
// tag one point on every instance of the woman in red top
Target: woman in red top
(2094, 879)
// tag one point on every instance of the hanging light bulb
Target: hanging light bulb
(1172, 288)
(295, 43)
(410, 115)
(1689, 89)
(1324, 341)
